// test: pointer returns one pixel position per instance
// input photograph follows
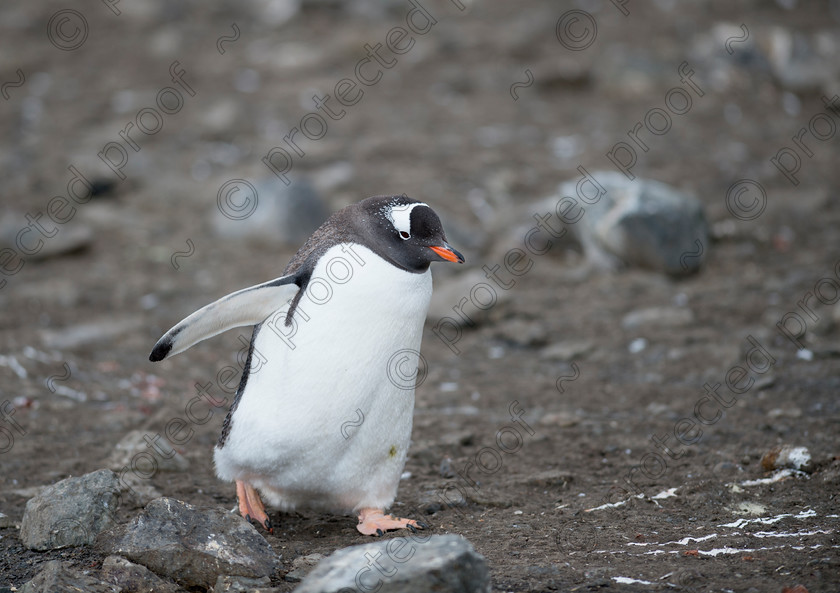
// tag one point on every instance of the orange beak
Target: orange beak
(448, 253)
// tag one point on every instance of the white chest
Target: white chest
(329, 399)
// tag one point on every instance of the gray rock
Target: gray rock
(831, 474)
(6, 521)
(560, 419)
(522, 332)
(71, 238)
(788, 456)
(415, 564)
(658, 317)
(302, 566)
(61, 577)
(190, 545)
(134, 442)
(445, 469)
(278, 214)
(82, 334)
(800, 63)
(231, 584)
(550, 477)
(71, 512)
(567, 350)
(639, 223)
(133, 578)
(140, 489)
(333, 176)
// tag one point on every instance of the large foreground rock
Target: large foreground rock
(133, 578)
(71, 512)
(60, 577)
(415, 564)
(190, 545)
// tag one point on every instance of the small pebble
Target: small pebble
(786, 456)
(637, 345)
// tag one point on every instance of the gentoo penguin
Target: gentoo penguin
(322, 417)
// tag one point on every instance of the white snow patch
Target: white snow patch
(776, 477)
(727, 550)
(612, 505)
(79, 396)
(770, 520)
(629, 581)
(666, 493)
(12, 363)
(683, 542)
(799, 457)
(790, 534)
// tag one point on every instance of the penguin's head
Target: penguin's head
(407, 232)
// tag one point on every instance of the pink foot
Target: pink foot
(251, 506)
(376, 522)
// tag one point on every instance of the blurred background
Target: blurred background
(156, 156)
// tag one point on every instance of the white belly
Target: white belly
(297, 433)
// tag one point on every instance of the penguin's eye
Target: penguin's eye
(405, 235)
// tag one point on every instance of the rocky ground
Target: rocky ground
(651, 408)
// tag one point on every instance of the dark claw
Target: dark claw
(249, 519)
(267, 525)
(380, 533)
(411, 528)
(422, 525)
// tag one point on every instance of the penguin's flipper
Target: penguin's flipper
(248, 306)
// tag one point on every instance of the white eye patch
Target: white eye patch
(400, 217)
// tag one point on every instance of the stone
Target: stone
(445, 470)
(549, 477)
(134, 578)
(71, 512)
(415, 564)
(231, 584)
(140, 489)
(278, 214)
(798, 62)
(72, 238)
(560, 419)
(637, 223)
(137, 441)
(657, 317)
(302, 566)
(190, 545)
(831, 474)
(566, 350)
(60, 577)
(6, 521)
(787, 456)
(99, 332)
(522, 332)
